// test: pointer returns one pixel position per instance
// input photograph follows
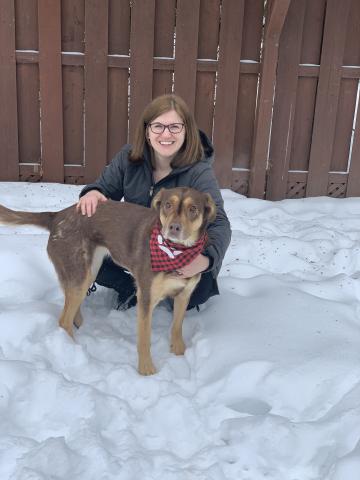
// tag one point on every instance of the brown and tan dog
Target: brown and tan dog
(77, 246)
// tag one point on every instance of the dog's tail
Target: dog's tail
(39, 219)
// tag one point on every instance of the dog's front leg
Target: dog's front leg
(177, 344)
(144, 313)
(181, 301)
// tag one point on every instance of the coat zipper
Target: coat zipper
(152, 188)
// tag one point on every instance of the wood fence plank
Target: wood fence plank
(73, 102)
(162, 82)
(204, 103)
(186, 49)
(285, 102)
(244, 128)
(313, 32)
(327, 97)
(27, 80)
(51, 90)
(353, 184)
(344, 125)
(9, 158)
(96, 91)
(209, 21)
(303, 123)
(165, 14)
(227, 88)
(117, 131)
(141, 61)
(259, 158)
(352, 45)
(240, 181)
(247, 93)
(72, 25)
(119, 27)
(252, 30)
(26, 20)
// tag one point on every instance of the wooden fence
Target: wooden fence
(275, 84)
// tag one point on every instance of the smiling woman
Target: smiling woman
(165, 110)
(168, 151)
(166, 136)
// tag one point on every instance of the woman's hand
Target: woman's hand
(88, 203)
(198, 265)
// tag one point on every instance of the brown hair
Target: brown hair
(191, 150)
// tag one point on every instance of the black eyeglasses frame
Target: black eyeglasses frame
(168, 126)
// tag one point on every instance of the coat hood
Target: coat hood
(207, 146)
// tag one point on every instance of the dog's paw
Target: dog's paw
(177, 347)
(78, 320)
(146, 367)
(68, 329)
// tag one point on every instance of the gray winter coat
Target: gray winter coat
(133, 182)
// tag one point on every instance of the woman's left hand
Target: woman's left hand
(198, 265)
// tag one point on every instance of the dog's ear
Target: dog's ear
(156, 201)
(210, 208)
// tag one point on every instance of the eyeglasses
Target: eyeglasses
(159, 128)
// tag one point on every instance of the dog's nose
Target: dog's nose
(175, 228)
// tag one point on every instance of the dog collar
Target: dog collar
(167, 256)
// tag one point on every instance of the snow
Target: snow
(268, 388)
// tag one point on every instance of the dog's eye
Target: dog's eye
(167, 205)
(193, 209)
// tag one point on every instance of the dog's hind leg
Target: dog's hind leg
(72, 261)
(74, 295)
(97, 259)
(181, 301)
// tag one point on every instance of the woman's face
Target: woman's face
(166, 144)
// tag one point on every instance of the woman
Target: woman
(168, 151)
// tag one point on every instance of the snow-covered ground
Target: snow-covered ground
(269, 387)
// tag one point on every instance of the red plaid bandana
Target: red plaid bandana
(167, 256)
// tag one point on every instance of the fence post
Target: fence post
(52, 143)
(96, 88)
(259, 157)
(186, 49)
(327, 97)
(9, 158)
(227, 88)
(285, 102)
(353, 184)
(141, 59)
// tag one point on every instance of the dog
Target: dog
(142, 240)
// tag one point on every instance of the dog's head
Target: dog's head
(184, 213)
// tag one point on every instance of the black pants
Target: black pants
(112, 276)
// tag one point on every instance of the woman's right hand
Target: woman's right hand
(88, 203)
